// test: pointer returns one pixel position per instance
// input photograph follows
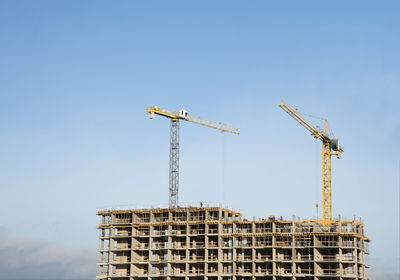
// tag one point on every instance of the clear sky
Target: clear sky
(77, 76)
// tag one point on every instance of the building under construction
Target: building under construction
(215, 243)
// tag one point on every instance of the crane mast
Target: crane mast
(174, 163)
(328, 144)
(175, 118)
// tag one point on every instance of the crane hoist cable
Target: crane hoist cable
(175, 117)
(328, 144)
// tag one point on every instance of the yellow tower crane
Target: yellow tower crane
(328, 144)
(175, 117)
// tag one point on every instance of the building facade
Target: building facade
(220, 244)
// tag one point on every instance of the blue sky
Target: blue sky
(77, 76)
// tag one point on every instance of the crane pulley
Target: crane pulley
(175, 117)
(328, 144)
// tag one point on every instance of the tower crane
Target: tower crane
(175, 117)
(328, 144)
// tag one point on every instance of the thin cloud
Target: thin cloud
(384, 275)
(22, 258)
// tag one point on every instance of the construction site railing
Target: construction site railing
(263, 271)
(243, 271)
(283, 244)
(178, 245)
(348, 258)
(305, 258)
(244, 258)
(328, 271)
(330, 258)
(284, 258)
(264, 258)
(263, 230)
(262, 244)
